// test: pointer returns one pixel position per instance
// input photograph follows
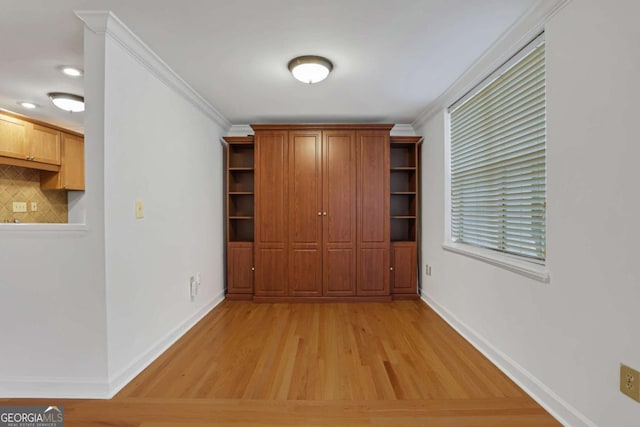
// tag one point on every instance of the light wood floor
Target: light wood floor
(245, 364)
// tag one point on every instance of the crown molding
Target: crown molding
(515, 37)
(105, 22)
(403, 130)
(240, 130)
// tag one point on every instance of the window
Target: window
(498, 159)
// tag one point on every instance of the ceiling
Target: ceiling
(391, 58)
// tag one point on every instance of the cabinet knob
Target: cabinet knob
(253, 269)
(391, 268)
(324, 213)
(319, 213)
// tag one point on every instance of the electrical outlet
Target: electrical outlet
(630, 382)
(34, 206)
(19, 206)
(427, 269)
(139, 209)
(193, 287)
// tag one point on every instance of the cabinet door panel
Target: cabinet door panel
(339, 272)
(305, 202)
(373, 212)
(44, 144)
(271, 187)
(271, 272)
(305, 272)
(404, 262)
(373, 272)
(373, 181)
(239, 268)
(339, 177)
(13, 139)
(72, 167)
(271, 215)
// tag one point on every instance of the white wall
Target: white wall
(161, 149)
(563, 340)
(52, 285)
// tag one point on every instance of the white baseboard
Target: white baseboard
(547, 398)
(54, 388)
(125, 376)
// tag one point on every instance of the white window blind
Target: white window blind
(498, 159)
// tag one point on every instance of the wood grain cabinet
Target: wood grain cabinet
(309, 215)
(71, 173)
(57, 153)
(239, 155)
(404, 208)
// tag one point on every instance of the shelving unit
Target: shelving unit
(240, 209)
(404, 212)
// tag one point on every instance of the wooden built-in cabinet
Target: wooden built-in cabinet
(405, 203)
(240, 204)
(310, 214)
(57, 153)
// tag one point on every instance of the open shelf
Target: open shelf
(403, 181)
(240, 181)
(241, 229)
(403, 229)
(241, 205)
(241, 156)
(403, 204)
(240, 189)
(403, 155)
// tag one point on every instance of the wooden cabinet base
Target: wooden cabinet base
(402, 297)
(239, 297)
(323, 299)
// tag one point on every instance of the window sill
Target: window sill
(532, 270)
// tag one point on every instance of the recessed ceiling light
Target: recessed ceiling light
(72, 71)
(67, 101)
(27, 104)
(310, 68)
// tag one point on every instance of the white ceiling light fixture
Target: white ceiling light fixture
(28, 105)
(310, 68)
(71, 71)
(67, 101)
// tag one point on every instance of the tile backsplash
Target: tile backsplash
(23, 185)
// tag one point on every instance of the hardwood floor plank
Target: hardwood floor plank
(375, 364)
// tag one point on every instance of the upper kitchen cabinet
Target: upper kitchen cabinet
(31, 144)
(44, 144)
(13, 137)
(71, 173)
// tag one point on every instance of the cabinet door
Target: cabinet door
(373, 212)
(71, 174)
(339, 202)
(305, 213)
(271, 213)
(404, 262)
(44, 144)
(13, 138)
(240, 268)
(72, 162)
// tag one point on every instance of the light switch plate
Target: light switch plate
(139, 209)
(19, 206)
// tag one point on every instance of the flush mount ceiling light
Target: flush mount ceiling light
(310, 68)
(67, 101)
(71, 71)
